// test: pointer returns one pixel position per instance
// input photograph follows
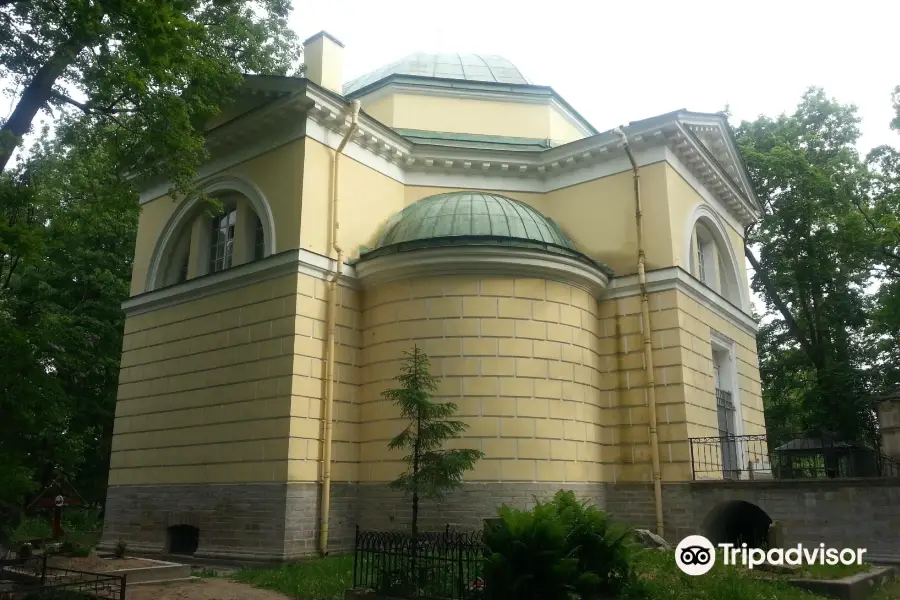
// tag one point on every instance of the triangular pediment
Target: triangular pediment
(714, 135)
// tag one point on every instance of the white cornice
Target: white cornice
(676, 278)
(384, 150)
(482, 260)
(292, 261)
(498, 175)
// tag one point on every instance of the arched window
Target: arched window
(195, 243)
(711, 259)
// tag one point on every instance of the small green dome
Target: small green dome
(471, 218)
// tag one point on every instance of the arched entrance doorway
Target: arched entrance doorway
(738, 522)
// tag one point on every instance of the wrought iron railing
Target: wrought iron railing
(446, 565)
(34, 578)
(801, 456)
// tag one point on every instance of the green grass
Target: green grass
(205, 573)
(660, 579)
(831, 571)
(314, 579)
(891, 591)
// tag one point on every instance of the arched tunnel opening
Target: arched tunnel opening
(738, 522)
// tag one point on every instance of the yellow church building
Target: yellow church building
(581, 294)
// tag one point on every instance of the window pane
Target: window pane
(222, 245)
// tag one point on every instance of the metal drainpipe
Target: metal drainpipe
(332, 319)
(645, 332)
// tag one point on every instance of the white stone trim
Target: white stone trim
(723, 148)
(492, 178)
(502, 261)
(175, 223)
(678, 279)
(314, 112)
(722, 240)
(293, 261)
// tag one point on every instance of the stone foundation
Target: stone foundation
(258, 522)
(275, 522)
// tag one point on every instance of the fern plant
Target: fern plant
(563, 549)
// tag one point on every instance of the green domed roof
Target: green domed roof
(469, 67)
(471, 218)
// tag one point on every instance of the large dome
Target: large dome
(469, 67)
(471, 218)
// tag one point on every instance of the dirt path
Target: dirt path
(201, 589)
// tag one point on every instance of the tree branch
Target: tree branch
(88, 107)
(34, 97)
(63, 98)
(789, 320)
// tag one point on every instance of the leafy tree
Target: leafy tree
(813, 266)
(882, 219)
(129, 85)
(165, 64)
(431, 470)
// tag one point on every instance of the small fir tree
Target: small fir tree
(432, 470)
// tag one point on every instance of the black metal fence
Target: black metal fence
(801, 456)
(33, 579)
(446, 565)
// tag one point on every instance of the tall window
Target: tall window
(221, 248)
(705, 257)
(259, 243)
(701, 260)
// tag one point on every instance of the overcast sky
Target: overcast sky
(622, 61)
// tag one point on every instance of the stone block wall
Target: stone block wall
(522, 360)
(205, 389)
(841, 513)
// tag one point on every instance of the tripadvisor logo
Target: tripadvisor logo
(696, 555)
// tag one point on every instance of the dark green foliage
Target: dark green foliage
(431, 469)
(560, 550)
(128, 87)
(812, 264)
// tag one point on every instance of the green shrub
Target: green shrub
(561, 550)
(32, 528)
(81, 519)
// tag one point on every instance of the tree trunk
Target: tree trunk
(772, 293)
(35, 96)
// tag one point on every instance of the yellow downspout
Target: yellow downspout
(332, 320)
(645, 332)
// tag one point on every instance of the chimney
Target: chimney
(323, 56)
